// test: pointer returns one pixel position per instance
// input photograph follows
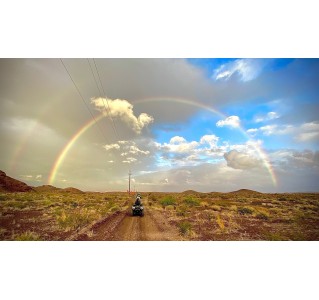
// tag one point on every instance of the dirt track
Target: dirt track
(122, 226)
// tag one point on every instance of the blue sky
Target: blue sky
(264, 134)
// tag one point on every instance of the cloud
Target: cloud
(122, 110)
(239, 160)
(269, 116)
(232, 121)
(211, 140)
(111, 146)
(277, 129)
(307, 132)
(247, 69)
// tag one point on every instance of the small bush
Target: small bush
(245, 210)
(190, 201)
(262, 214)
(184, 227)
(220, 222)
(168, 200)
(28, 236)
(216, 208)
(181, 211)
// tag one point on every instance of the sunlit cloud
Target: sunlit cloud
(232, 121)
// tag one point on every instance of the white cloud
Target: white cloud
(177, 140)
(232, 121)
(307, 132)
(269, 116)
(211, 140)
(111, 146)
(122, 110)
(247, 69)
(129, 160)
(239, 160)
(277, 129)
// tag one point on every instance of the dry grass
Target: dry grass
(197, 216)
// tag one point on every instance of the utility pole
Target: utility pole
(129, 182)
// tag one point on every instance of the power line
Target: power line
(109, 110)
(78, 90)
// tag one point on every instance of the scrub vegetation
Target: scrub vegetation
(241, 215)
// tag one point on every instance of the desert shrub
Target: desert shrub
(190, 201)
(181, 211)
(262, 214)
(245, 210)
(216, 208)
(282, 198)
(28, 236)
(152, 197)
(3, 197)
(170, 207)
(114, 208)
(167, 200)
(233, 208)
(274, 236)
(75, 219)
(220, 222)
(184, 227)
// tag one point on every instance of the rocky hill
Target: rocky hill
(8, 184)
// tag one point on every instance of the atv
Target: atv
(138, 210)
(137, 207)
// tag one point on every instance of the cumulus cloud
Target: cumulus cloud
(239, 160)
(128, 150)
(211, 140)
(122, 110)
(247, 69)
(232, 121)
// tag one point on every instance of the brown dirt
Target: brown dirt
(122, 226)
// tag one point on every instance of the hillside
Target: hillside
(72, 190)
(47, 188)
(8, 184)
(245, 191)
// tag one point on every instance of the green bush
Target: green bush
(190, 201)
(168, 200)
(28, 236)
(184, 227)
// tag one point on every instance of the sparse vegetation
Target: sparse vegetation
(28, 236)
(196, 216)
(167, 200)
(185, 227)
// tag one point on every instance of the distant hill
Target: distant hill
(72, 190)
(8, 184)
(47, 188)
(245, 191)
(191, 192)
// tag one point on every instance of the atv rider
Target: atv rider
(138, 200)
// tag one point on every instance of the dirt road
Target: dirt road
(122, 226)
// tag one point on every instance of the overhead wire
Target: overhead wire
(109, 110)
(79, 92)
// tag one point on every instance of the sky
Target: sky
(176, 124)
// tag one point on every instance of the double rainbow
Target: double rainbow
(63, 154)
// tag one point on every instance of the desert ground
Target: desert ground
(48, 214)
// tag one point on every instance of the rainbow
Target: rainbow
(60, 158)
(262, 154)
(62, 155)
